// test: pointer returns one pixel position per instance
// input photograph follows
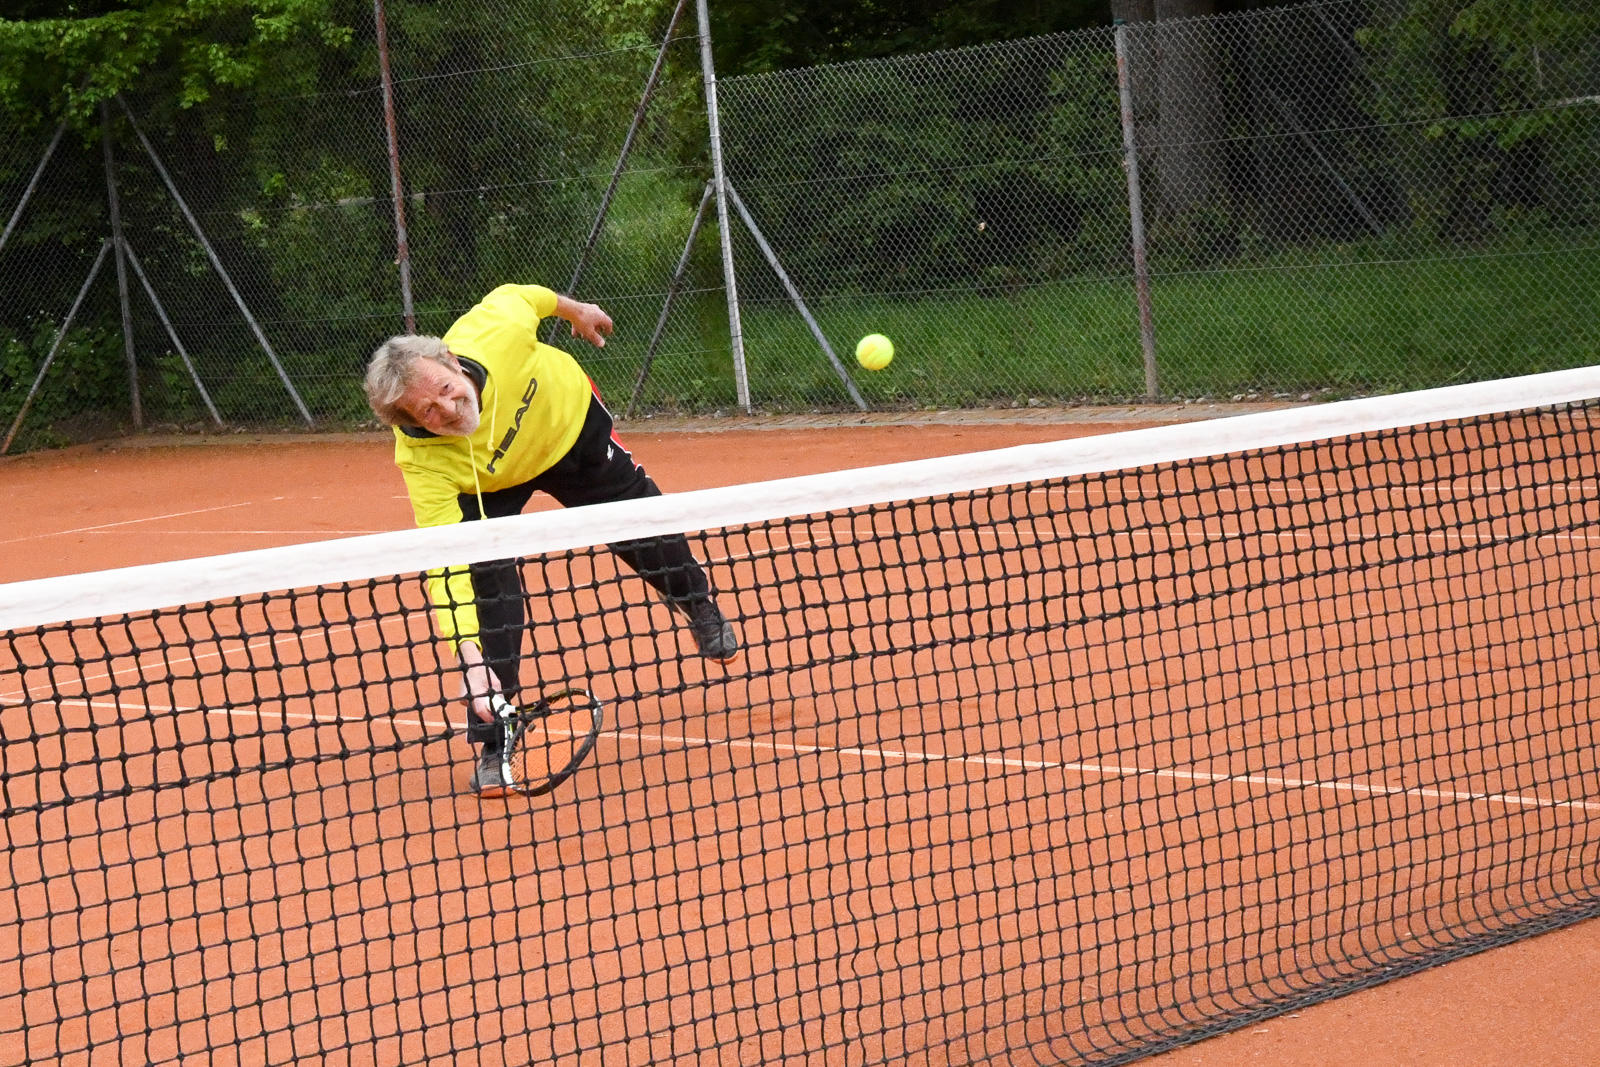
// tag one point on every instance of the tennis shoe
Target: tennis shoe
(713, 634)
(491, 778)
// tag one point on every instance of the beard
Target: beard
(466, 418)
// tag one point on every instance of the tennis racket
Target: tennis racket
(548, 741)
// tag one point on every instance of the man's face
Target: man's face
(441, 400)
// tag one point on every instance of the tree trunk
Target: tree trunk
(1189, 96)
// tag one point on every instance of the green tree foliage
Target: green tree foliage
(753, 36)
(1452, 118)
(512, 116)
(996, 167)
(55, 55)
(1492, 93)
(209, 78)
(268, 115)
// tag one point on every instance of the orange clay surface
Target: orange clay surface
(1534, 1002)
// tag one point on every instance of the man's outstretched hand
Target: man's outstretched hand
(478, 686)
(588, 321)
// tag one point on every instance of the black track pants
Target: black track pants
(597, 470)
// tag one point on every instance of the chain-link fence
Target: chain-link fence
(278, 189)
(509, 120)
(1337, 198)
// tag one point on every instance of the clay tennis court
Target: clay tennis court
(897, 832)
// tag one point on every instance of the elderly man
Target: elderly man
(482, 418)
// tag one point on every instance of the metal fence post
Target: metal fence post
(33, 183)
(741, 377)
(122, 267)
(1293, 122)
(166, 324)
(216, 263)
(666, 304)
(799, 302)
(1141, 266)
(627, 147)
(55, 347)
(391, 131)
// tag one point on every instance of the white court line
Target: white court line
(1116, 771)
(889, 755)
(287, 716)
(130, 522)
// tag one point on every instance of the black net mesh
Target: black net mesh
(1056, 772)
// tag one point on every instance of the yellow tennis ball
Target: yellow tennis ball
(874, 351)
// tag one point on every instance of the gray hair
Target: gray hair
(393, 368)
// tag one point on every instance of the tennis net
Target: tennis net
(1063, 753)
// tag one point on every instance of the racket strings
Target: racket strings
(550, 740)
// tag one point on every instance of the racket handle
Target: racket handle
(503, 709)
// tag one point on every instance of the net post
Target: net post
(666, 305)
(61, 336)
(1141, 264)
(799, 302)
(741, 376)
(402, 244)
(117, 244)
(216, 263)
(33, 183)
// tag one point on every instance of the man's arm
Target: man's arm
(588, 321)
(455, 614)
(450, 591)
(479, 686)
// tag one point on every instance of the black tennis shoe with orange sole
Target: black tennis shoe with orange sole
(713, 635)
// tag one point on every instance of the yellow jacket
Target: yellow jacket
(534, 399)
